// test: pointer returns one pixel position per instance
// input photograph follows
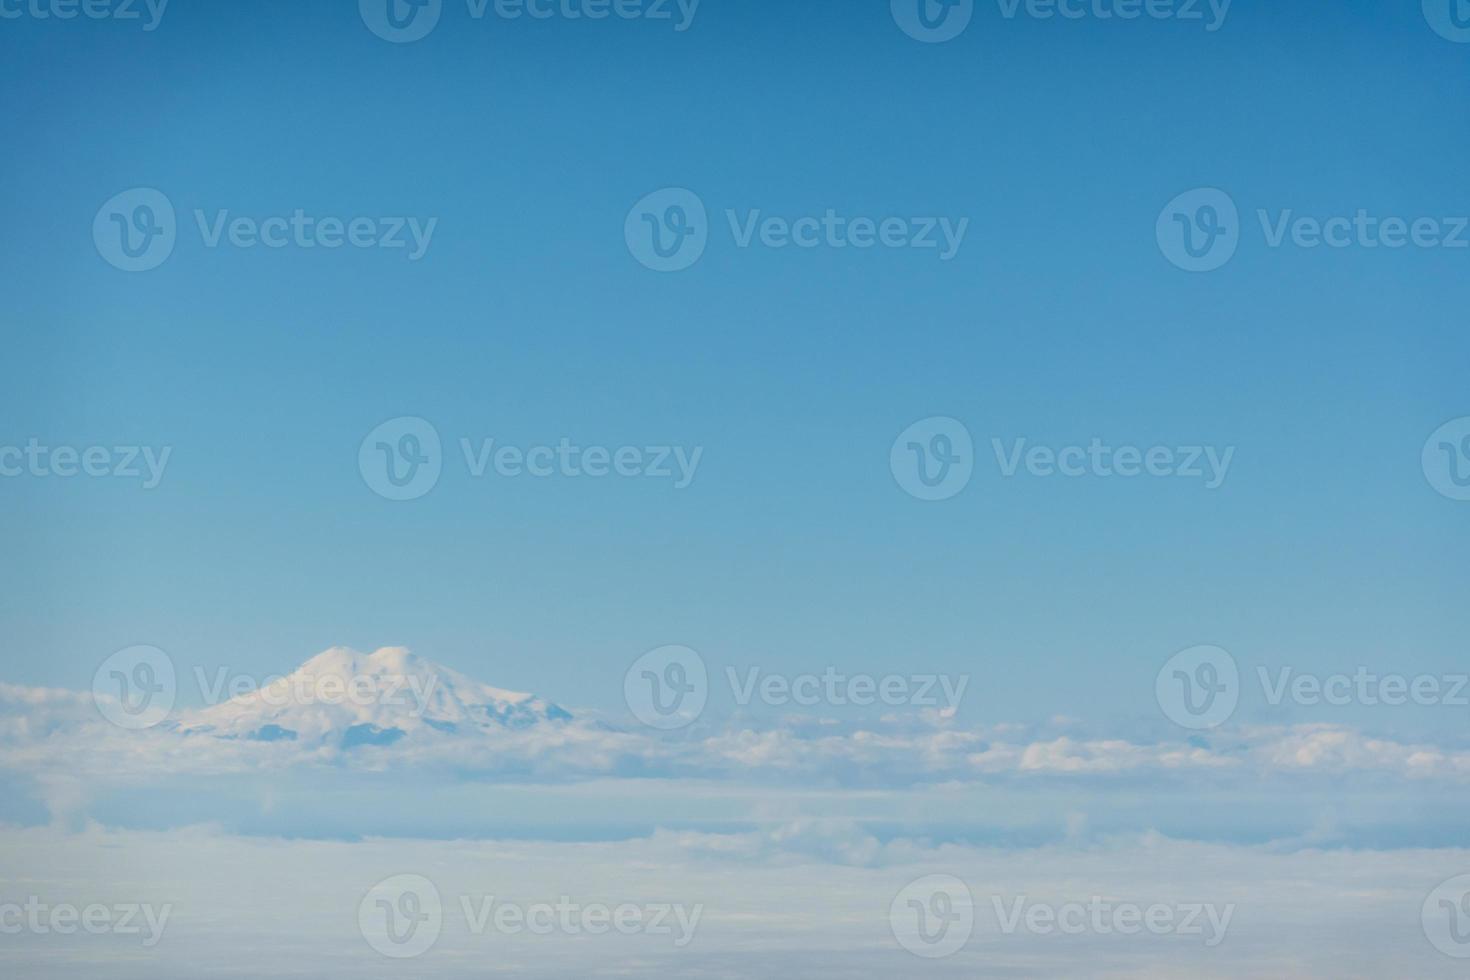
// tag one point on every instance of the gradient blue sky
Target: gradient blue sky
(528, 321)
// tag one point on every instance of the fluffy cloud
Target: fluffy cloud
(47, 730)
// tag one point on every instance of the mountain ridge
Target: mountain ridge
(344, 697)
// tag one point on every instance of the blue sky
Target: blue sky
(1068, 157)
(528, 321)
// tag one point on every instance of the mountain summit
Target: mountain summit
(346, 698)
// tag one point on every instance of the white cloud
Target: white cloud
(798, 900)
(47, 730)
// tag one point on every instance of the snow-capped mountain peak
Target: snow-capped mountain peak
(345, 697)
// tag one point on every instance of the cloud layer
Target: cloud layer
(798, 900)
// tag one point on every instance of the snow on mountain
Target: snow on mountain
(347, 698)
